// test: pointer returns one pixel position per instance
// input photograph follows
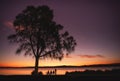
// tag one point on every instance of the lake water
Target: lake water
(60, 71)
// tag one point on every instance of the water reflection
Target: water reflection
(60, 71)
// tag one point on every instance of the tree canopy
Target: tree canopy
(39, 35)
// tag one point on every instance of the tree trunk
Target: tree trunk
(36, 65)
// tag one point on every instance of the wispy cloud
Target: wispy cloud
(8, 24)
(91, 56)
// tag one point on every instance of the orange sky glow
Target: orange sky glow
(23, 61)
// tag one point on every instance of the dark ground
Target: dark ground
(88, 75)
(58, 78)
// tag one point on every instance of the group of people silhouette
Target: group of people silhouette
(52, 72)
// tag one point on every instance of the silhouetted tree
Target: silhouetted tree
(38, 35)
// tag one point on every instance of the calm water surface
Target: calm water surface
(60, 71)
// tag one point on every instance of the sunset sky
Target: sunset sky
(95, 24)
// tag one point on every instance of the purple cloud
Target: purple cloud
(91, 56)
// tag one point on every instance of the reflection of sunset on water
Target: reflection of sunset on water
(15, 71)
(60, 71)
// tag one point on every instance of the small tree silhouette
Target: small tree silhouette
(38, 35)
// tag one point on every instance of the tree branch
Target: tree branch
(37, 46)
(46, 53)
(32, 46)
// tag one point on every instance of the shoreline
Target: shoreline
(58, 78)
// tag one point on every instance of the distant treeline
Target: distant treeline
(70, 66)
(113, 72)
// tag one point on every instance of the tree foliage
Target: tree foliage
(39, 35)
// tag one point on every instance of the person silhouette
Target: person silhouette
(55, 71)
(48, 72)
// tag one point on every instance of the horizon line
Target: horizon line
(61, 65)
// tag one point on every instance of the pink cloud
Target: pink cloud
(91, 56)
(8, 24)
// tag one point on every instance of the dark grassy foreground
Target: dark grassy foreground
(88, 75)
(59, 78)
